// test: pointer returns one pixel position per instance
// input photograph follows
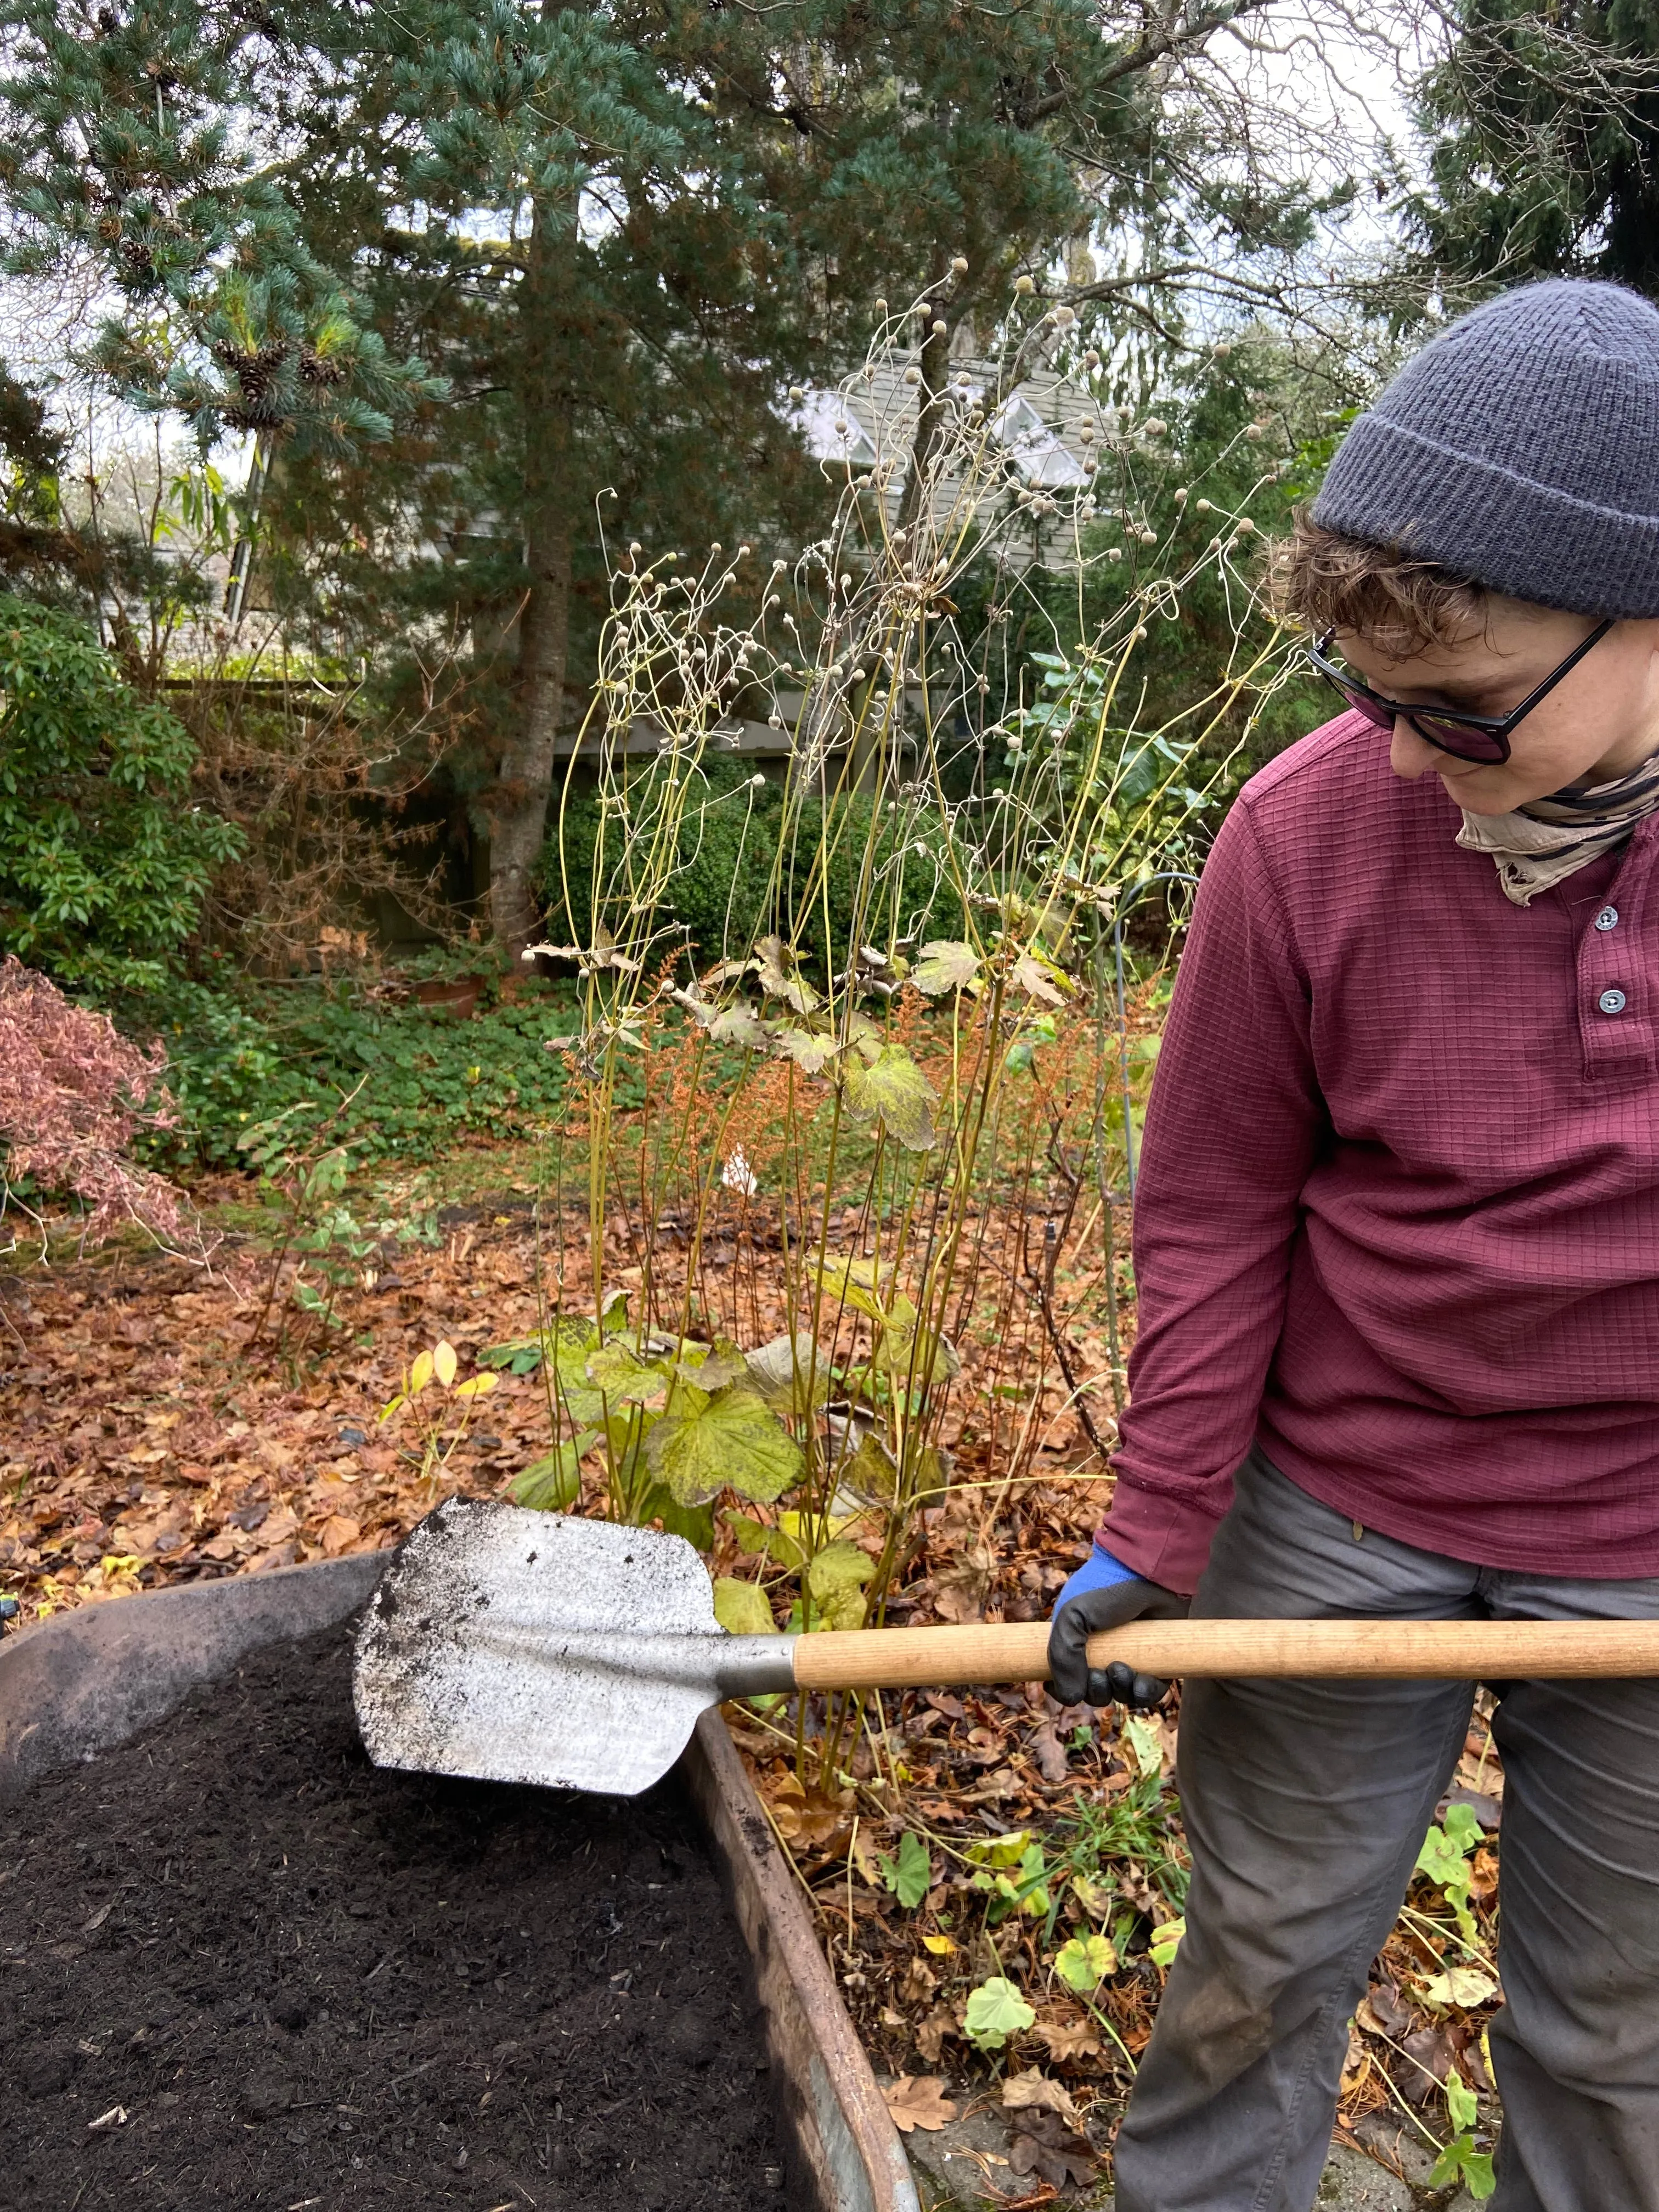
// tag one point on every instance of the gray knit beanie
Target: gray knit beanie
(1521, 449)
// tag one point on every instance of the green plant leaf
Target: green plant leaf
(856, 1283)
(1086, 1961)
(1145, 1742)
(1461, 2162)
(1462, 2107)
(835, 1576)
(616, 1370)
(945, 964)
(1462, 1829)
(895, 1353)
(1025, 1890)
(838, 1566)
(812, 1050)
(870, 1472)
(708, 1365)
(1166, 1941)
(1001, 1850)
(995, 2011)
(734, 1441)
(551, 1485)
(910, 1877)
(694, 1522)
(893, 1090)
(741, 1608)
(779, 1544)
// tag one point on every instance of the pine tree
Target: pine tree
(1543, 130)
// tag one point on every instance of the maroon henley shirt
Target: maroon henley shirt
(1398, 1213)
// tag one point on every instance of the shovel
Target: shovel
(518, 1646)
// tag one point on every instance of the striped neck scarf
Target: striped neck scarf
(1546, 839)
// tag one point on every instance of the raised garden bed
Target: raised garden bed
(243, 1967)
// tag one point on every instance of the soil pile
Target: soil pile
(240, 1967)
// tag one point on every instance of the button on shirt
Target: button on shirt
(1398, 1211)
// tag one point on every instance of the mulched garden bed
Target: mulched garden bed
(240, 1967)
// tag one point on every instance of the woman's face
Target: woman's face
(1599, 722)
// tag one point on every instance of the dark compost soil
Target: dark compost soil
(309, 1983)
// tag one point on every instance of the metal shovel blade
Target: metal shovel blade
(517, 1646)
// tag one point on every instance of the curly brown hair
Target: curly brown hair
(1397, 601)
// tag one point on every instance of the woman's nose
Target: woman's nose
(1409, 755)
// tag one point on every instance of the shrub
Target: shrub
(422, 1078)
(725, 884)
(104, 862)
(75, 1095)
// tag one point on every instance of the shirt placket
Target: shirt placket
(1615, 982)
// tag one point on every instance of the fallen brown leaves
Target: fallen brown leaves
(145, 1444)
(918, 2103)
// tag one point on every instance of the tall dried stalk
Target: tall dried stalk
(853, 1084)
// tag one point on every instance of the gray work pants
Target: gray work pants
(1306, 1805)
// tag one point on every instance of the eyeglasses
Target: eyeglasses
(1484, 738)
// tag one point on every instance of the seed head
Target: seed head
(1023, 284)
(959, 265)
(913, 376)
(796, 392)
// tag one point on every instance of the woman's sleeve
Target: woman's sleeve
(1233, 1126)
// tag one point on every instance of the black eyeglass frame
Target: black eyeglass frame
(1494, 729)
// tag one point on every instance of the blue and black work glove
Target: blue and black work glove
(1105, 1594)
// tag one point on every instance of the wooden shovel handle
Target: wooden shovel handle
(1441, 1650)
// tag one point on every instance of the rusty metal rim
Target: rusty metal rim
(85, 1681)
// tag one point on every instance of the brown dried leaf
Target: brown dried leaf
(1042, 2144)
(1049, 1753)
(1382, 2010)
(1069, 2039)
(1428, 2060)
(932, 2032)
(919, 2103)
(1033, 2091)
(339, 1532)
(918, 1983)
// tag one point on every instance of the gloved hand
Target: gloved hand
(1104, 1594)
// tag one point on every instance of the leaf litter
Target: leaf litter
(147, 1446)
